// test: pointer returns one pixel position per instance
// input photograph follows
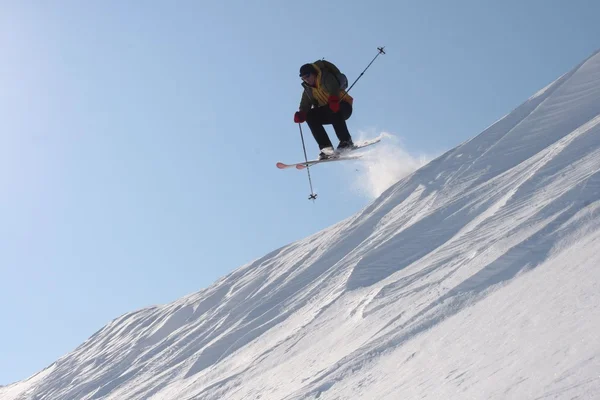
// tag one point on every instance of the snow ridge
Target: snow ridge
(474, 277)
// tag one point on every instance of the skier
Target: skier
(325, 102)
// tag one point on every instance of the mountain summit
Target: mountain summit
(476, 277)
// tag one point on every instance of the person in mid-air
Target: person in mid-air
(324, 101)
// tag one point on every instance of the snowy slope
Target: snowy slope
(474, 278)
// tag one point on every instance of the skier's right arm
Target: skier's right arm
(305, 103)
(300, 115)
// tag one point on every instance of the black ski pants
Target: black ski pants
(319, 116)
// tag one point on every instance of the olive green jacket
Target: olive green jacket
(327, 84)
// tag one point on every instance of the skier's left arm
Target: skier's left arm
(331, 84)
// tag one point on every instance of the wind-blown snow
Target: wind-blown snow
(475, 277)
(383, 165)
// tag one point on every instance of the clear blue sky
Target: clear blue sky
(138, 139)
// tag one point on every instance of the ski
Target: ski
(304, 164)
(335, 157)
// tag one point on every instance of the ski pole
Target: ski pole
(313, 195)
(380, 51)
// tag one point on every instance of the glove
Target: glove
(334, 103)
(299, 117)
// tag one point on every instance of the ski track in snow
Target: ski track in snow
(474, 277)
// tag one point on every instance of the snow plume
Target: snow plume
(384, 164)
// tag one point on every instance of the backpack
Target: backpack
(341, 78)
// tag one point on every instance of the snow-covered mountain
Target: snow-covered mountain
(476, 277)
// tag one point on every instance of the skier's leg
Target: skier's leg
(338, 120)
(315, 119)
